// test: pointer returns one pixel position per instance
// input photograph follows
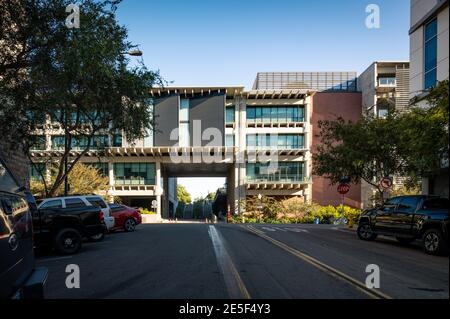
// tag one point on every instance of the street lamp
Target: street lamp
(259, 207)
(134, 52)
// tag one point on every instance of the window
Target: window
(283, 172)
(58, 142)
(390, 204)
(251, 113)
(229, 115)
(74, 203)
(102, 168)
(96, 201)
(275, 114)
(383, 112)
(39, 143)
(408, 204)
(436, 203)
(430, 56)
(229, 140)
(134, 173)
(57, 203)
(117, 140)
(280, 141)
(183, 132)
(36, 170)
(387, 81)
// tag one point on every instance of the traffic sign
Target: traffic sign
(386, 182)
(154, 204)
(343, 189)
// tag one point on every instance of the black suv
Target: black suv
(409, 218)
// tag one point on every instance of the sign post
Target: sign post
(343, 189)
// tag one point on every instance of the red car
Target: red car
(125, 217)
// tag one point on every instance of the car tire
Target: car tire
(365, 232)
(97, 238)
(68, 241)
(433, 242)
(405, 240)
(129, 225)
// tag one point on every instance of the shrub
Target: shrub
(145, 211)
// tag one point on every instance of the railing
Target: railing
(275, 148)
(277, 121)
(279, 179)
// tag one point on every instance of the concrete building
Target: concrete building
(260, 140)
(383, 85)
(429, 56)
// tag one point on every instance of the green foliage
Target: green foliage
(83, 180)
(410, 144)
(198, 208)
(145, 211)
(81, 82)
(183, 195)
(210, 197)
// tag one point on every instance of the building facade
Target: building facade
(384, 85)
(429, 56)
(260, 140)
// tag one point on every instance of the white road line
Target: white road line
(268, 229)
(53, 259)
(233, 282)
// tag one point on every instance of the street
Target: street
(196, 260)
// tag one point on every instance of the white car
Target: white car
(81, 201)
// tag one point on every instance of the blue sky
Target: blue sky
(216, 42)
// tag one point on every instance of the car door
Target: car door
(384, 215)
(99, 202)
(403, 215)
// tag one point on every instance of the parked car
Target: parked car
(79, 202)
(409, 218)
(126, 218)
(19, 278)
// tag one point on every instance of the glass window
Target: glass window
(229, 140)
(251, 113)
(74, 203)
(39, 143)
(408, 204)
(282, 112)
(258, 114)
(57, 203)
(97, 202)
(102, 168)
(436, 203)
(134, 173)
(58, 142)
(117, 140)
(383, 112)
(36, 170)
(266, 114)
(430, 58)
(229, 115)
(184, 110)
(184, 139)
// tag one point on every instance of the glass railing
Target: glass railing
(122, 181)
(275, 147)
(277, 178)
(387, 82)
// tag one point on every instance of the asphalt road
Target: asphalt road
(190, 261)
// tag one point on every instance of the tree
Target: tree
(83, 179)
(82, 85)
(183, 195)
(210, 197)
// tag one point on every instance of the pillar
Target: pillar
(158, 189)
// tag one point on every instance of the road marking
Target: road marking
(235, 286)
(322, 266)
(298, 230)
(268, 229)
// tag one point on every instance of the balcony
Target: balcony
(278, 179)
(387, 82)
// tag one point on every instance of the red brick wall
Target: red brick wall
(17, 163)
(329, 106)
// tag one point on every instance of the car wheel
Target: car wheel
(433, 242)
(129, 225)
(365, 232)
(97, 238)
(67, 241)
(405, 240)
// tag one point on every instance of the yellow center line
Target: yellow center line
(376, 294)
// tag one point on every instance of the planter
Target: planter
(151, 219)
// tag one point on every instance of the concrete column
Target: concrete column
(111, 181)
(158, 189)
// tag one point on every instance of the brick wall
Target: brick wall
(330, 106)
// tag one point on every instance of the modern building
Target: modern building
(260, 140)
(384, 85)
(429, 56)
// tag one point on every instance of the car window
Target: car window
(391, 203)
(116, 207)
(436, 203)
(96, 201)
(74, 203)
(57, 203)
(408, 204)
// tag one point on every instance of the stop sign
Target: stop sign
(343, 189)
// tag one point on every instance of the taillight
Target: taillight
(102, 216)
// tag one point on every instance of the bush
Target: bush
(145, 211)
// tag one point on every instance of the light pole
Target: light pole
(259, 207)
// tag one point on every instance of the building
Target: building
(429, 56)
(260, 140)
(384, 85)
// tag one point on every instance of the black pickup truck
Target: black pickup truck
(64, 228)
(409, 218)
